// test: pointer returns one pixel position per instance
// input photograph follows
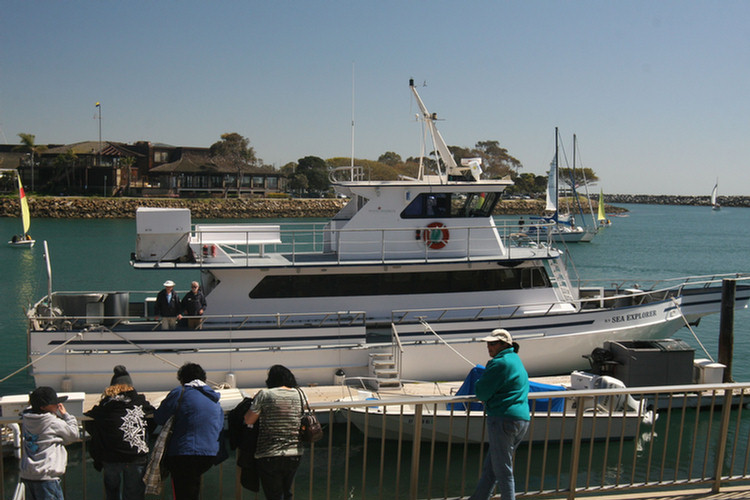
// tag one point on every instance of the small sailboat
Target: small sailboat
(23, 240)
(565, 228)
(602, 216)
(715, 197)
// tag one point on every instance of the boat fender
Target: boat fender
(435, 235)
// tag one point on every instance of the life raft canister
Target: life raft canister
(436, 235)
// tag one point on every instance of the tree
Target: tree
(316, 171)
(298, 184)
(235, 150)
(63, 163)
(390, 158)
(496, 162)
(581, 176)
(28, 145)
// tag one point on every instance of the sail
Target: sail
(601, 216)
(714, 193)
(552, 187)
(25, 216)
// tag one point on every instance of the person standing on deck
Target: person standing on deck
(277, 410)
(168, 306)
(504, 388)
(119, 437)
(47, 427)
(198, 420)
(193, 304)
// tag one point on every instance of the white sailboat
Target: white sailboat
(564, 228)
(715, 197)
(23, 240)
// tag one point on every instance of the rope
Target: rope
(679, 309)
(428, 327)
(27, 365)
(79, 335)
(157, 356)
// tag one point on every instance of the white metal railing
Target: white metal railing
(42, 316)
(298, 240)
(702, 437)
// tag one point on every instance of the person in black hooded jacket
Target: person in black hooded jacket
(119, 437)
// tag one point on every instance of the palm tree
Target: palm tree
(28, 145)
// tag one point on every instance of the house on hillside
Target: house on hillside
(139, 169)
(199, 175)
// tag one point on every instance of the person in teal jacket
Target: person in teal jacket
(504, 388)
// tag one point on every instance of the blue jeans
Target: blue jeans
(129, 475)
(504, 435)
(43, 490)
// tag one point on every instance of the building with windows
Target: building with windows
(140, 169)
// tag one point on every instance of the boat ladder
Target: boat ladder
(382, 368)
(560, 277)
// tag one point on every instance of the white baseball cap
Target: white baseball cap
(499, 335)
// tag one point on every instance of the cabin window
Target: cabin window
(448, 205)
(344, 285)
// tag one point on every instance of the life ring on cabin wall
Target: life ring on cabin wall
(435, 235)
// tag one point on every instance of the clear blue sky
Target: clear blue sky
(657, 92)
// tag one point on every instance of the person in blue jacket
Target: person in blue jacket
(504, 388)
(198, 421)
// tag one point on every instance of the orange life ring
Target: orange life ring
(435, 236)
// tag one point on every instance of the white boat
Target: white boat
(715, 197)
(554, 416)
(563, 227)
(403, 282)
(23, 240)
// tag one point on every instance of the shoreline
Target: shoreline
(54, 207)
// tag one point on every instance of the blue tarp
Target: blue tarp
(467, 388)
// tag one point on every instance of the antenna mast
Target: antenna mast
(351, 171)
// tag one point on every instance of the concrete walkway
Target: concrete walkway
(735, 492)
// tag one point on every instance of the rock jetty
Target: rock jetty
(647, 199)
(124, 208)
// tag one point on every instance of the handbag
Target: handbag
(156, 469)
(310, 429)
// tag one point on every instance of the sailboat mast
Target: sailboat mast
(557, 177)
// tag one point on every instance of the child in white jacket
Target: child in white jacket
(47, 428)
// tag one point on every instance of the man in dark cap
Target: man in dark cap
(47, 428)
(504, 388)
(119, 444)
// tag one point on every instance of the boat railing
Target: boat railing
(676, 284)
(298, 241)
(135, 310)
(597, 297)
(699, 440)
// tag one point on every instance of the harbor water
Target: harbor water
(652, 242)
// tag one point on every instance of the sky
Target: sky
(657, 92)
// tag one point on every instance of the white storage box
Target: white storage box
(582, 380)
(162, 234)
(707, 372)
(12, 406)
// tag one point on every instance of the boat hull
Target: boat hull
(82, 359)
(393, 422)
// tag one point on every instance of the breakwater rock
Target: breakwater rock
(647, 199)
(124, 208)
